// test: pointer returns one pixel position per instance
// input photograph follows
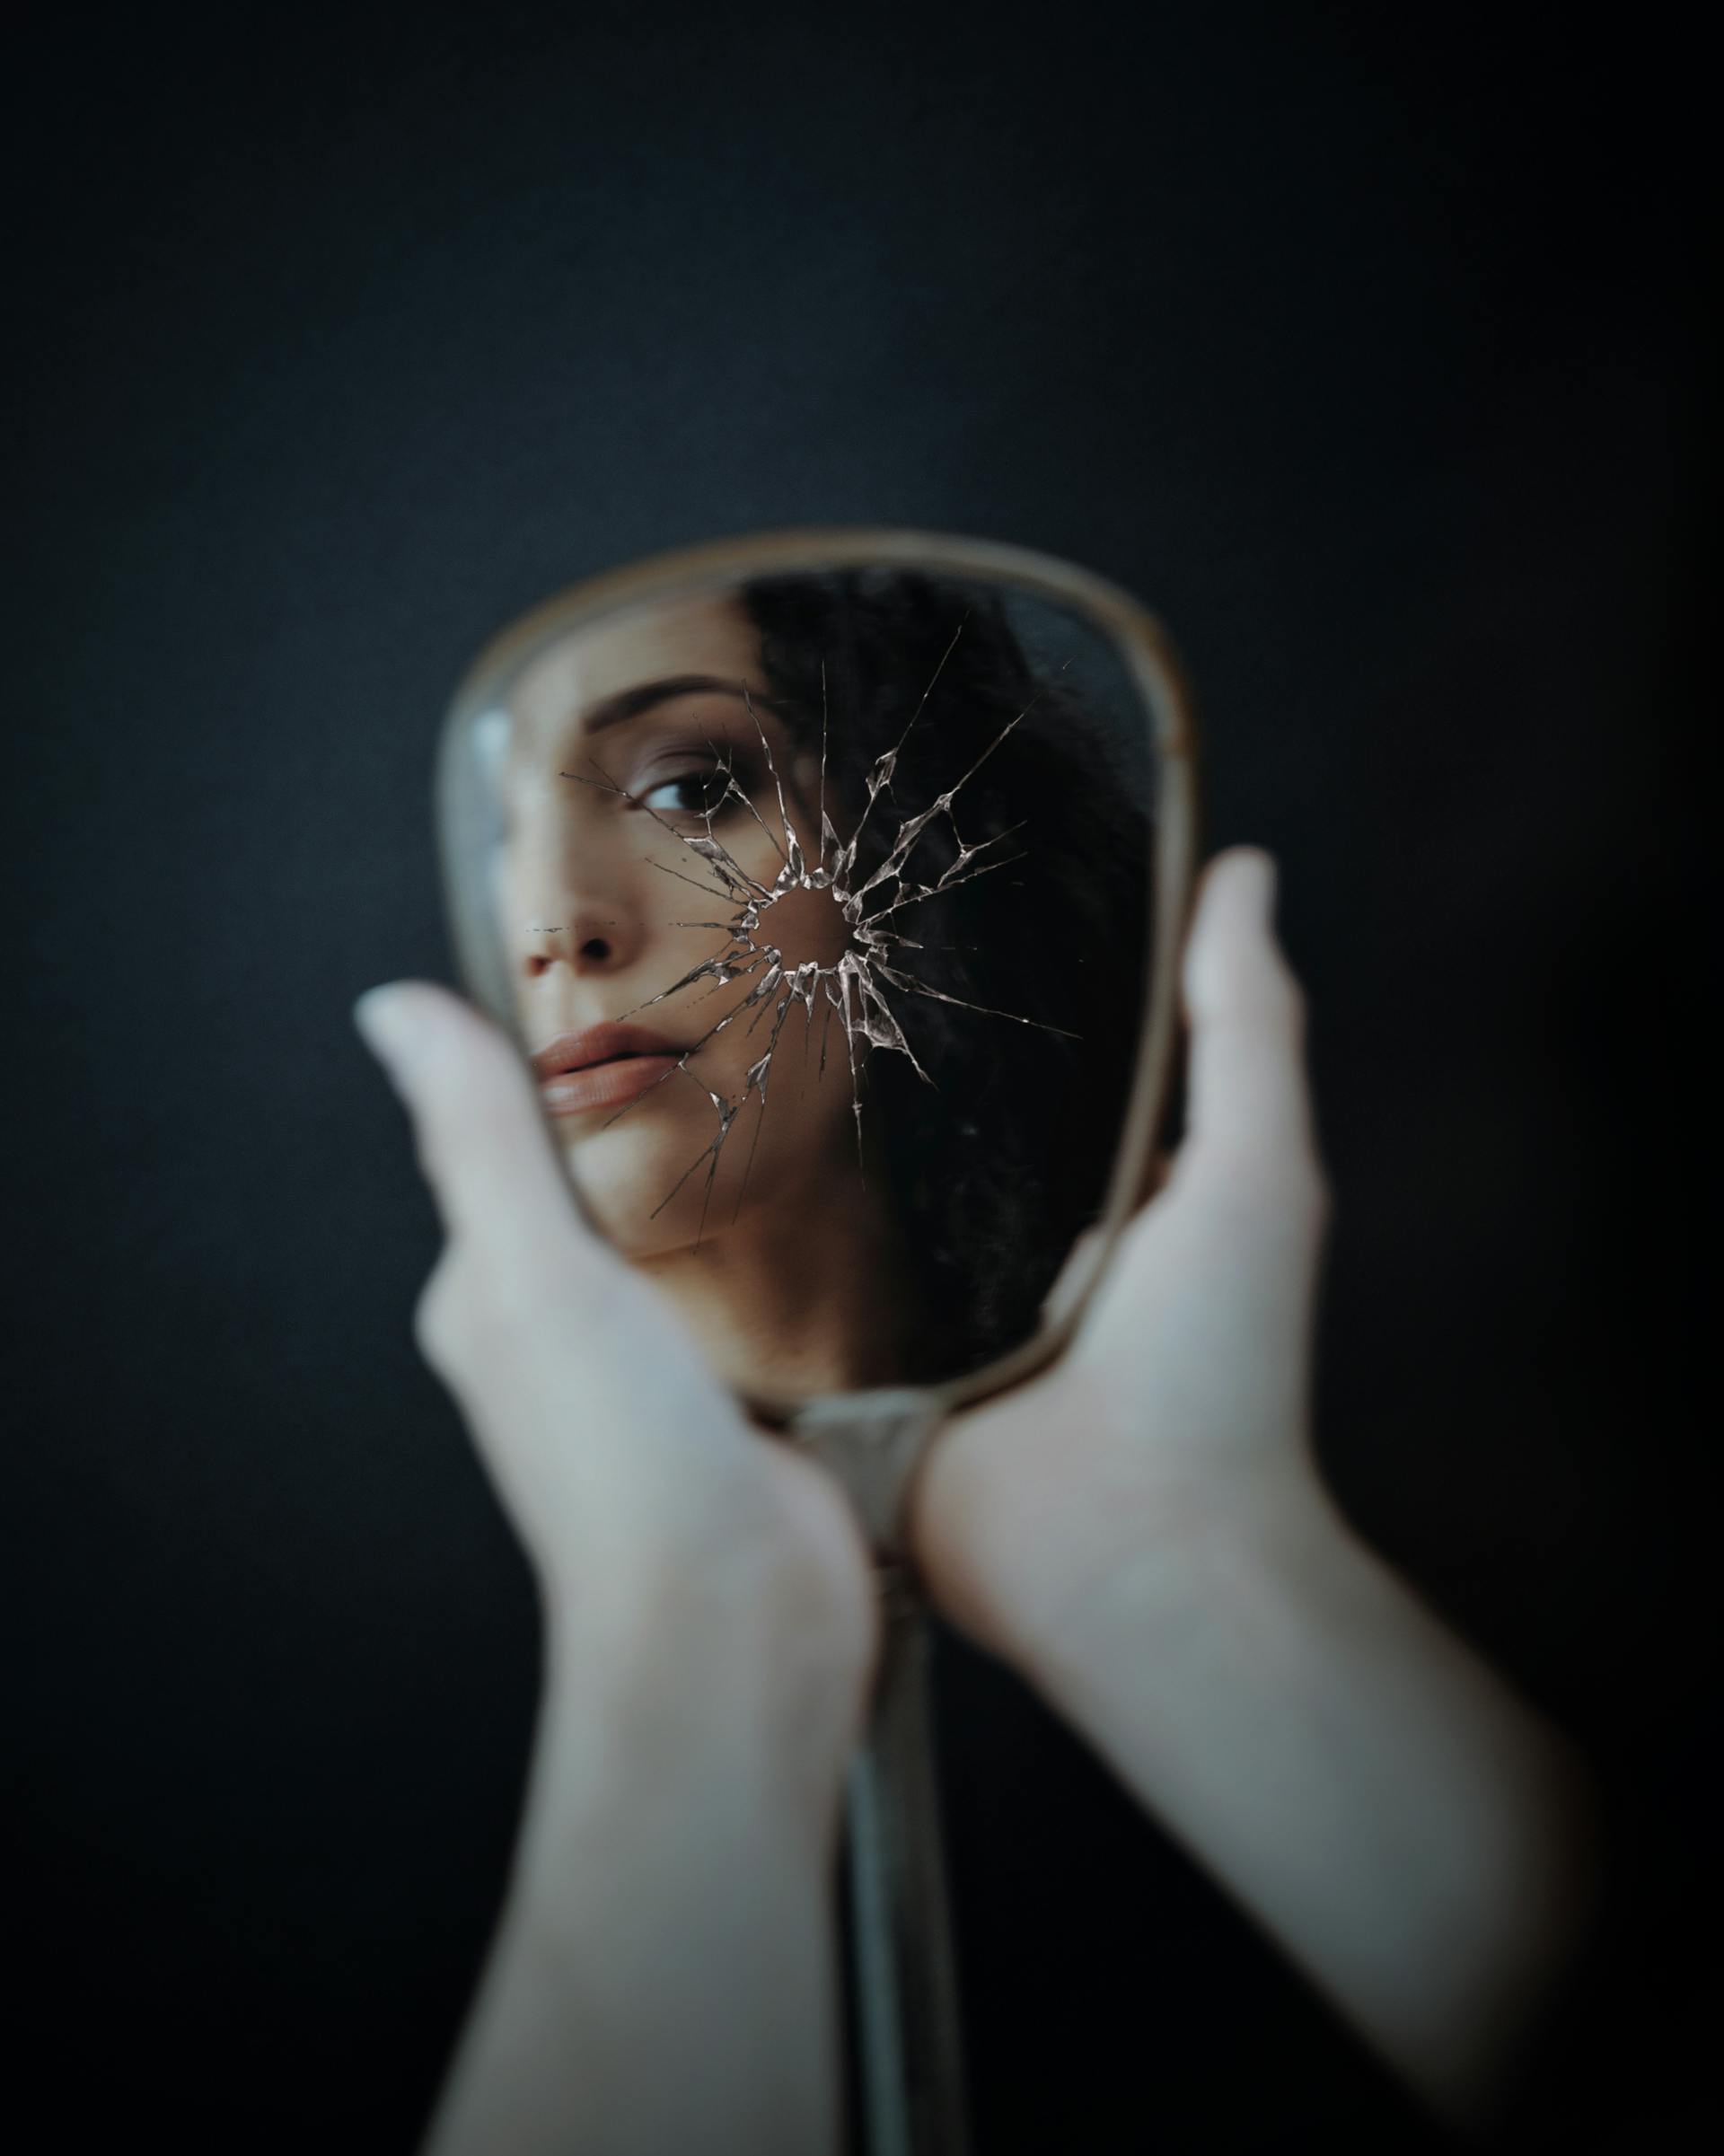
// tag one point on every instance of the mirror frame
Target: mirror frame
(1159, 678)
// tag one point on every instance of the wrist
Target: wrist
(668, 1903)
(752, 1694)
(1174, 1556)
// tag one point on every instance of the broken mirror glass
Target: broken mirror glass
(822, 898)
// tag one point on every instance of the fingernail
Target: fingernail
(383, 1016)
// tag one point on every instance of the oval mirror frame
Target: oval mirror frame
(1155, 671)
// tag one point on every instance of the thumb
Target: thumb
(481, 1140)
(1250, 1104)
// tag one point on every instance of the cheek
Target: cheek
(805, 926)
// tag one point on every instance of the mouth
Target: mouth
(603, 1067)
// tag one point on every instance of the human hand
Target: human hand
(1142, 1532)
(662, 1975)
(1181, 1408)
(680, 1553)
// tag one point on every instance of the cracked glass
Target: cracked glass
(821, 905)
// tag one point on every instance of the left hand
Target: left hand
(681, 1554)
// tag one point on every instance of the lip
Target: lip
(602, 1067)
(599, 1045)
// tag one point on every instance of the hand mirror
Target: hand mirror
(833, 883)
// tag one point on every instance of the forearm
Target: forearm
(663, 1975)
(1411, 1833)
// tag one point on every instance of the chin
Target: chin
(620, 1183)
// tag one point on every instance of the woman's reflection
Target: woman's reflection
(828, 1212)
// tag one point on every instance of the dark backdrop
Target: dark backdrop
(1359, 341)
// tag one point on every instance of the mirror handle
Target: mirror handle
(903, 1976)
(903, 1970)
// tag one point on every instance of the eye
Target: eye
(695, 793)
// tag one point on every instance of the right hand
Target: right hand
(1181, 1408)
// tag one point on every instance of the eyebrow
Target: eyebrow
(629, 703)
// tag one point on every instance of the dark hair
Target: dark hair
(995, 1173)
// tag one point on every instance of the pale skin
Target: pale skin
(1141, 1532)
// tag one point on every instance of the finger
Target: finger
(481, 1141)
(1248, 1095)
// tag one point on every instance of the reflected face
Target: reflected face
(628, 742)
(887, 898)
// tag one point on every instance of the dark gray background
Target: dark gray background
(1357, 341)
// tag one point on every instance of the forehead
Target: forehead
(710, 634)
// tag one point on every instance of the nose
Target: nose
(569, 900)
(581, 937)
